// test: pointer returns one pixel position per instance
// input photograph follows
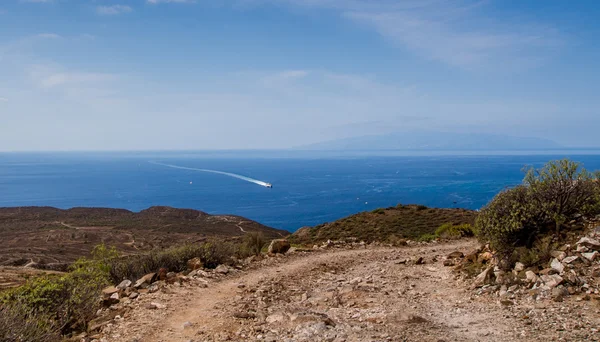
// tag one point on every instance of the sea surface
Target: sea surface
(308, 188)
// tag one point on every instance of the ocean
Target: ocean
(308, 188)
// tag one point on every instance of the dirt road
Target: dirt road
(334, 295)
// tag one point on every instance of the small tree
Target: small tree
(561, 189)
(254, 242)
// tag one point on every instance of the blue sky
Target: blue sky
(230, 74)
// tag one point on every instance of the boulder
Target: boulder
(456, 255)
(107, 292)
(146, 280)
(222, 269)
(194, 264)
(552, 281)
(558, 255)
(124, 284)
(570, 259)
(483, 278)
(589, 243)
(279, 246)
(557, 265)
(590, 256)
(531, 276)
(519, 266)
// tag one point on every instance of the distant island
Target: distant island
(434, 141)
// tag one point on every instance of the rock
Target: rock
(483, 278)
(551, 281)
(519, 266)
(449, 262)
(531, 277)
(456, 255)
(570, 259)
(244, 315)
(107, 292)
(187, 325)
(194, 264)
(145, 280)
(506, 302)
(485, 257)
(558, 293)
(279, 246)
(582, 249)
(222, 269)
(590, 256)
(153, 288)
(596, 272)
(133, 295)
(557, 265)
(548, 271)
(162, 274)
(589, 243)
(558, 255)
(419, 261)
(274, 318)
(124, 284)
(154, 306)
(416, 319)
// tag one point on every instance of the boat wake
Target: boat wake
(247, 179)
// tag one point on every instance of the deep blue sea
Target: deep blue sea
(308, 188)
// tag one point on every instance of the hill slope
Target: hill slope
(402, 221)
(46, 235)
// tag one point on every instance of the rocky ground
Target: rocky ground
(345, 294)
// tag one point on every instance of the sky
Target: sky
(264, 74)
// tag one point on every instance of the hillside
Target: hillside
(402, 221)
(50, 237)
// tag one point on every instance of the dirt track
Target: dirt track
(336, 295)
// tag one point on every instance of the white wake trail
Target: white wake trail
(247, 179)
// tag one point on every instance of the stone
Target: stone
(485, 257)
(194, 264)
(279, 246)
(162, 273)
(456, 255)
(558, 255)
(558, 293)
(449, 262)
(153, 288)
(551, 281)
(124, 284)
(582, 249)
(548, 271)
(590, 256)
(519, 266)
(589, 243)
(145, 280)
(557, 265)
(107, 292)
(133, 295)
(483, 278)
(222, 269)
(570, 259)
(419, 261)
(531, 277)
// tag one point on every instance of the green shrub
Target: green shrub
(427, 237)
(549, 197)
(54, 305)
(449, 230)
(253, 243)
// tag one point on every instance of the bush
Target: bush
(549, 197)
(212, 254)
(253, 243)
(427, 237)
(449, 230)
(54, 305)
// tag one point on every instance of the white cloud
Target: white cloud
(458, 33)
(59, 79)
(113, 10)
(49, 36)
(154, 2)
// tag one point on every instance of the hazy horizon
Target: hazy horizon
(172, 75)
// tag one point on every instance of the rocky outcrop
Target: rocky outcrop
(279, 246)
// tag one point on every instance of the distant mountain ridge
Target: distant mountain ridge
(435, 141)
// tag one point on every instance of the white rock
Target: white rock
(557, 265)
(589, 242)
(570, 259)
(531, 276)
(519, 266)
(552, 281)
(590, 256)
(124, 284)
